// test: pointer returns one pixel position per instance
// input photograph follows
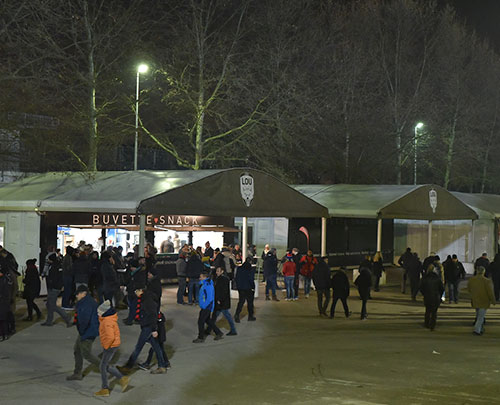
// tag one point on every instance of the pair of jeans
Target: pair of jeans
(152, 351)
(181, 289)
(67, 298)
(307, 284)
(204, 318)
(334, 304)
(146, 337)
(271, 284)
(479, 325)
(193, 290)
(227, 315)
(107, 356)
(322, 306)
(132, 306)
(289, 283)
(453, 291)
(52, 306)
(83, 350)
(245, 295)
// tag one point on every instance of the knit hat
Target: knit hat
(81, 288)
(289, 256)
(104, 307)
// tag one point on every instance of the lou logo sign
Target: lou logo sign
(433, 200)
(247, 188)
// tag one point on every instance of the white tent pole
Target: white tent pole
(244, 240)
(429, 239)
(379, 235)
(142, 234)
(323, 236)
(472, 250)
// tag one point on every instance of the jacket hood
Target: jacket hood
(110, 314)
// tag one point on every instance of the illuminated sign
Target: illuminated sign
(167, 220)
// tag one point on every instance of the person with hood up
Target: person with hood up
(245, 282)
(432, 288)
(109, 335)
(364, 282)
(321, 278)
(87, 324)
(206, 302)
(32, 286)
(307, 266)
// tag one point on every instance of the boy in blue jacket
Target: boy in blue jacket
(206, 301)
(87, 324)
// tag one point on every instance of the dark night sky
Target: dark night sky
(482, 15)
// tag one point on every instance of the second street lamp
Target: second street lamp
(140, 69)
(417, 127)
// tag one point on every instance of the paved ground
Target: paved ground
(289, 356)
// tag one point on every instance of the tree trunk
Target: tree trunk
(93, 135)
(400, 157)
(451, 142)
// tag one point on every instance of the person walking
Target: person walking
(193, 270)
(322, 283)
(432, 288)
(341, 288)
(181, 267)
(245, 282)
(270, 266)
(32, 286)
(222, 302)
(296, 259)
(364, 282)
(403, 261)
(68, 279)
(288, 271)
(378, 269)
(451, 277)
(110, 283)
(482, 297)
(206, 301)
(493, 272)
(87, 324)
(414, 271)
(161, 339)
(109, 335)
(5, 290)
(147, 316)
(307, 266)
(54, 287)
(138, 277)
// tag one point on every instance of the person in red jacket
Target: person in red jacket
(307, 265)
(289, 274)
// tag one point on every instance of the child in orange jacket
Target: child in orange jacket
(109, 334)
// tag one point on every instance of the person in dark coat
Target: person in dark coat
(110, 282)
(493, 272)
(222, 302)
(403, 261)
(138, 277)
(181, 267)
(245, 282)
(452, 277)
(364, 282)
(95, 277)
(341, 288)
(296, 259)
(81, 269)
(153, 284)
(193, 270)
(321, 279)
(377, 269)
(32, 286)
(432, 289)
(68, 278)
(54, 287)
(414, 268)
(87, 323)
(270, 267)
(482, 261)
(5, 289)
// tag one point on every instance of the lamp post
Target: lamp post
(417, 127)
(140, 69)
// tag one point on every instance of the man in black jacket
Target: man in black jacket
(193, 270)
(432, 289)
(403, 261)
(321, 279)
(245, 283)
(340, 285)
(54, 287)
(147, 315)
(414, 268)
(222, 302)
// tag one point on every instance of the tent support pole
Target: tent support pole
(379, 235)
(244, 241)
(429, 239)
(142, 234)
(104, 235)
(323, 236)
(472, 249)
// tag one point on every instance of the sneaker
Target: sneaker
(102, 393)
(124, 382)
(199, 340)
(231, 333)
(159, 370)
(307, 295)
(144, 366)
(169, 366)
(74, 377)
(267, 298)
(296, 299)
(219, 337)
(252, 318)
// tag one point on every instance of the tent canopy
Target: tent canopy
(183, 192)
(486, 205)
(388, 201)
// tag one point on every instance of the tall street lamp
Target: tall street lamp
(140, 69)
(417, 127)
